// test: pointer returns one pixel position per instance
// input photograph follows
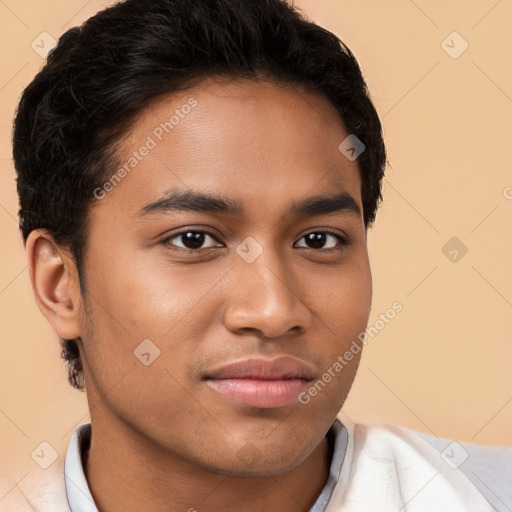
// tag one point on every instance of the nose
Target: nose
(267, 297)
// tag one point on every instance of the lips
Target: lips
(261, 383)
(281, 368)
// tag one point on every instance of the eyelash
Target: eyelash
(343, 241)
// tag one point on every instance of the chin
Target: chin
(251, 461)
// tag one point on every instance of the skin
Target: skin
(162, 438)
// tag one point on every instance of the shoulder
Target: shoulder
(43, 490)
(488, 467)
(388, 466)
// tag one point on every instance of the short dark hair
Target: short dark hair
(72, 116)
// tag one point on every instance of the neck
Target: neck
(126, 471)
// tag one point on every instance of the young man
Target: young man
(196, 182)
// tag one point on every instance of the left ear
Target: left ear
(55, 284)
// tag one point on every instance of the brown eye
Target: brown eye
(191, 240)
(318, 240)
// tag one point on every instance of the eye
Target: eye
(192, 240)
(317, 239)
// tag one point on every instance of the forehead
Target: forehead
(257, 142)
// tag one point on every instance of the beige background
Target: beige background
(442, 366)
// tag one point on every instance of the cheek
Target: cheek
(131, 304)
(355, 302)
(344, 302)
(163, 300)
(344, 312)
(145, 296)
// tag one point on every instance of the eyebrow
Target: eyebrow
(176, 200)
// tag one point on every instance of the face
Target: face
(177, 288)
